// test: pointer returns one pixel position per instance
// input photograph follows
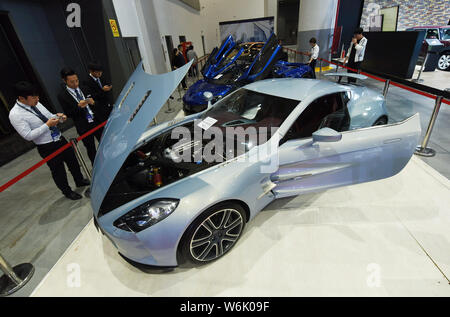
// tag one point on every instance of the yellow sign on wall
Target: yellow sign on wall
(114, 28)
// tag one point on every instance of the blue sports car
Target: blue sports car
(184, 190)
(227, 69)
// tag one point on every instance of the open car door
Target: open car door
(265, 60)
(224, 65)
(139, 102)
(217, 56)
(332, 159)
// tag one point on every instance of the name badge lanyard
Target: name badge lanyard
(54, 131)
(89, 113)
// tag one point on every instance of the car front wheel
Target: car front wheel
(214, 233)
(444, 62)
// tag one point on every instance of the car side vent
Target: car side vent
(147, 94)
(126, 95)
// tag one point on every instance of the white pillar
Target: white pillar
(127, 15)
(271, 10)
(317, 19)
(146, 14)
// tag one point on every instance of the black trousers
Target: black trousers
(313, 66)
(56, 164)
(89, 142)
(194, 70)
(356, 66)
(183, 83)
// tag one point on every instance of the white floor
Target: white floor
(386, 238)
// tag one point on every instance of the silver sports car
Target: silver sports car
(185, 189)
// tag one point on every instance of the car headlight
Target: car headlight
(146, 215)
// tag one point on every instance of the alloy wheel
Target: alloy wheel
(444, 62)
(216, 235)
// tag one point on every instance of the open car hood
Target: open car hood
(138, 103)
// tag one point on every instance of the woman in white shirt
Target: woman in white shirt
(314, 55)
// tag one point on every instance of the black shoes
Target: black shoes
(73, 196)
(83, 183)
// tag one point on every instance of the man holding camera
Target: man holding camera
(35, 123)
(80, 108)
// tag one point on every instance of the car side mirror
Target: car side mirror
(327, 135)
(208, 96)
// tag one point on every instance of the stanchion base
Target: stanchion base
(417, 80)
(427, 152)
(23, 271)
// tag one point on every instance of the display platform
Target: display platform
(386, 238)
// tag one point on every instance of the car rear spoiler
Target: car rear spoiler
(357, 76)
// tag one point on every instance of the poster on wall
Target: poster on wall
(390, 18)
(254, 30)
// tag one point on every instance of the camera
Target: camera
(61, 118)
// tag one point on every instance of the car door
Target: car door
(264, 61)
(329, 158)
(227, 46)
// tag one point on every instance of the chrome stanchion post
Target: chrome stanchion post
(80, 158)
(422, 150)
(386, 87)
(320, 66)
(14, 278)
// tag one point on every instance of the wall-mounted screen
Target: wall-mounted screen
(254, 30)
(392, 53)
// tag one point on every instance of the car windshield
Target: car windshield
(445, 34)
(246, 108)
(230, 76)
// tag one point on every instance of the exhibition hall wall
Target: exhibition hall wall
(411, 13)
(189, 22)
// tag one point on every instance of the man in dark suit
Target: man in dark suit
(178, 62)
(99, 92)
(80, 107)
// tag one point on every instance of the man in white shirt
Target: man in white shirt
(356, 52)
(314, 55)
(35, 123)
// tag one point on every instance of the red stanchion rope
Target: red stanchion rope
(381, 79)
(48, 158)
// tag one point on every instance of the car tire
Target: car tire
(381, 121)
(213, 234)
(444, 62)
